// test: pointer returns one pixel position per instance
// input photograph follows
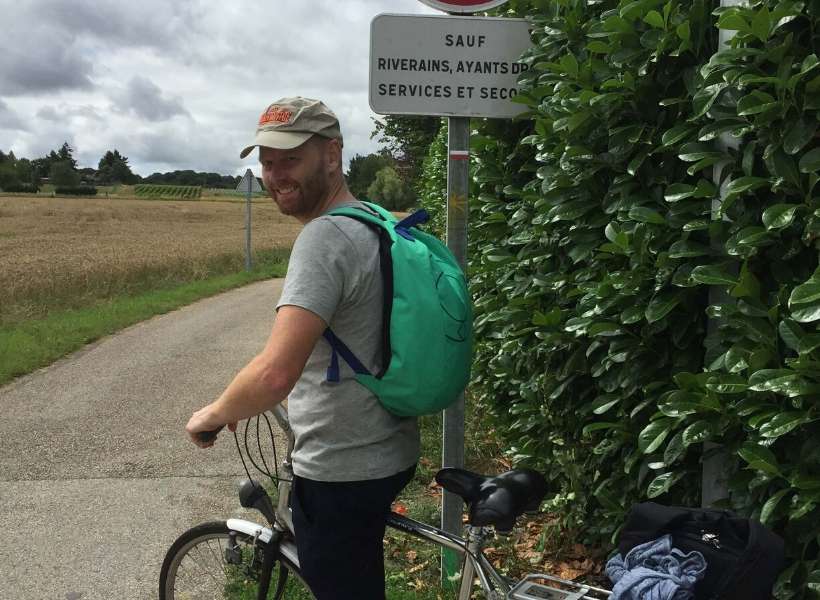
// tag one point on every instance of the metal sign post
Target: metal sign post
(249, 185)
(452, 444)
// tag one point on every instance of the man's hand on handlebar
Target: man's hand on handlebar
(202, 428)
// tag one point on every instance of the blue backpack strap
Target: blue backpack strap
(339, 347)
(417, 218)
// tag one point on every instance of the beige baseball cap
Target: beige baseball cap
(290, 122)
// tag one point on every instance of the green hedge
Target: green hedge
(627, 312)
(76, 190)
(22, 188)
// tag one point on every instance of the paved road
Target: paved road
(96, 477)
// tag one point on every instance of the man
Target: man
(352, 457)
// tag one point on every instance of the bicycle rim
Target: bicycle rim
(203, 564)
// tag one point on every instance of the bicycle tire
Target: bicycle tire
(196, 567)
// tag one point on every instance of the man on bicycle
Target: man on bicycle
(352, 457)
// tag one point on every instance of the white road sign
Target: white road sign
(463, 6)
(446, 65)
(249, 183)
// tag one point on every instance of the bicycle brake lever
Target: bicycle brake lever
(207, 436)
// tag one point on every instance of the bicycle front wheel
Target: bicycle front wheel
(212, 562)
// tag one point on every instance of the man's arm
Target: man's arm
(267, 379)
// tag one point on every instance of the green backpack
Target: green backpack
(427, 327)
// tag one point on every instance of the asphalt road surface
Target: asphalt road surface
(96, 475)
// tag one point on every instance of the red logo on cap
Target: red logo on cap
(275, 114)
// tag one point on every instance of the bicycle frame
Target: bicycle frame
(474, 564)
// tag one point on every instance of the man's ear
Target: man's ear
(333, 155)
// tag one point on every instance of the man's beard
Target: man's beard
(312, 191)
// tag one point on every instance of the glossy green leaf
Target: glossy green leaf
(662, 483)
(653, 435)
(643, 214)
(600, 426)
(681, 403)
(771, 504)
(728, 384)
(804, 302)
(755, 103)
(761, 24)
(744, 184)
(674, 449)
(713, 275)
(779, 216)
(687, 249)
(654, 19)
(603, 403)
(782, 381)
(791, 334)
(697, 432)
(676, 134)
(695, 151)
(661, 305)
(732, 21)
(760, 458)
(678, 191)
(704, 98)
(799, 134)
(810, 162)
(782, 423)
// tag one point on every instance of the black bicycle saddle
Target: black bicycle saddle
(497, 500)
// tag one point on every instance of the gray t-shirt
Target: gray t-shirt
(342, 432)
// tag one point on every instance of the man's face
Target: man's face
(297, 179)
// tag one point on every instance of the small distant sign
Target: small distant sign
(249, 184)
(447, 66)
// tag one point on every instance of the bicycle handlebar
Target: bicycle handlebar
(207, 436)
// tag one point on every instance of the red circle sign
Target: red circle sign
(463, 6)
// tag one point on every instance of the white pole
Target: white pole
(714, 479)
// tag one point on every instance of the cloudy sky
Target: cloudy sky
(178, 85)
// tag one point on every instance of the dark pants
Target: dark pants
(340, 534)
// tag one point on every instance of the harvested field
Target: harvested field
(67, 252)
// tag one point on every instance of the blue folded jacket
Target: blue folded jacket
(655, 571)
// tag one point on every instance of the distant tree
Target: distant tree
(41, 167)
(66, 154)
(62, 174)
(25, 172)
(362, 172)
(113, 168)
(407, 138)
(8, 174)
(390, 192)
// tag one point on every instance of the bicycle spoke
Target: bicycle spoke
(200, 563)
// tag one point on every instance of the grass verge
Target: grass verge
(31, 344)
(412, 566)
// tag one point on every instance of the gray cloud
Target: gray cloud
(108, 74)
(41, 60)
(9, 119)
(64, 112)
(147, 101)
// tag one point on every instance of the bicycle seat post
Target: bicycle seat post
(475, 537)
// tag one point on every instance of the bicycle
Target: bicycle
(239, 558)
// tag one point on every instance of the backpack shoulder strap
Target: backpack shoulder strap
(375, 216)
